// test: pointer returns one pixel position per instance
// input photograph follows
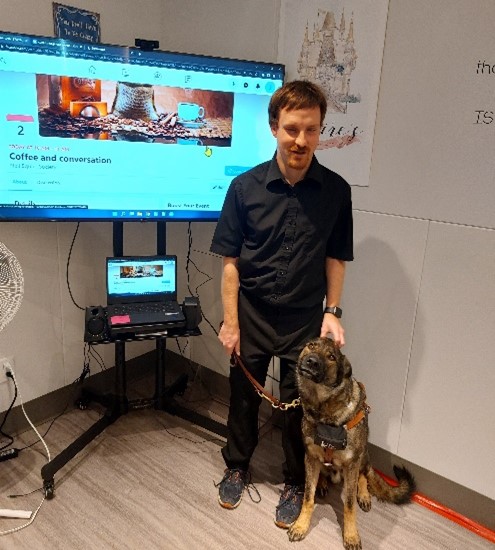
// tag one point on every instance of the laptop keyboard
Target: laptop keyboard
(128, 309)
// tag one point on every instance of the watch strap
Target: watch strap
(334, 310)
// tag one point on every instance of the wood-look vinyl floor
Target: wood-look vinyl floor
(147, 482)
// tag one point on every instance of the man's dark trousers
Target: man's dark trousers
(268, 331)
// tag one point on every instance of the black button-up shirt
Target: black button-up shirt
(283, 234)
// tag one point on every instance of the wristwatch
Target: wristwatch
(334, 311)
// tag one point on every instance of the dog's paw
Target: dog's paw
(322, 492)
(335, 475)
(322, 488)
(363, 493)
(352, 543)
(296, 532)
(364, 503)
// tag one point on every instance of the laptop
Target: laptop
(142, 294)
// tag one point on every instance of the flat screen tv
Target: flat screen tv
(101, 132)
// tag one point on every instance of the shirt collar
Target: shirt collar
(313, 173)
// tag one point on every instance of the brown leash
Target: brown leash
(235, 360)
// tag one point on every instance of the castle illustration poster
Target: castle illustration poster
(338, 44)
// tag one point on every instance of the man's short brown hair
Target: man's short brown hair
(298, 94)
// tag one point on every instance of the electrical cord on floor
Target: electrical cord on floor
(26, 494)
(79, 380)
(47, 450)
(31, 519)
(46, 432)
(11, 513)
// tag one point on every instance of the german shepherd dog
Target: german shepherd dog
(335, 433)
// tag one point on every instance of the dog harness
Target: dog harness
(334, 438)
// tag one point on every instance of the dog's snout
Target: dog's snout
(311, 361)
(311, 366)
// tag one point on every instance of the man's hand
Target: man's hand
(331, 325)
(230, 337)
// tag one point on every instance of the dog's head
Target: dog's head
(322, 362)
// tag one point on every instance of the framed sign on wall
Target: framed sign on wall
(75, 23)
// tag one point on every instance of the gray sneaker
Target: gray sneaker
(231, 487)
(289, 506)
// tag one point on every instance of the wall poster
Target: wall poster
(338, 44)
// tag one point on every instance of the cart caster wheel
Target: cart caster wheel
(49, 488)
(182, 386)
(82, 404)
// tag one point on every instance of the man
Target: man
(285, 233)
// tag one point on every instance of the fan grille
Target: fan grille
(11, 286)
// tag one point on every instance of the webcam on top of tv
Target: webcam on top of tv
(147, 45)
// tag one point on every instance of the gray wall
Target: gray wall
(419, 308)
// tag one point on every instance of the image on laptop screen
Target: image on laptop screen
(141, 279)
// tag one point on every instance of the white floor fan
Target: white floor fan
(11, 293)
(11, 286)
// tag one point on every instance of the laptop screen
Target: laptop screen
(133, 279)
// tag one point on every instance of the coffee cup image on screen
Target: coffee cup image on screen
(189, 112)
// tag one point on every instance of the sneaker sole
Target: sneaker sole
(227, 505)
(283, 525)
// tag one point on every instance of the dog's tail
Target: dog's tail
(400, 494)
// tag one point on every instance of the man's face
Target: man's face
(297, 133)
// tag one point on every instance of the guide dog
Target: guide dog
(335, 433)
